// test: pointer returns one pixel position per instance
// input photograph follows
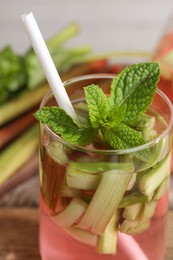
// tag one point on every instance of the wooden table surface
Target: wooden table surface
(19, 234)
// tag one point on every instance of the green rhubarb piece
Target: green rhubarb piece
(146, 126)
(132, 212)
(140, 211)
(162, 189)
(151, 180)
(80, 180)
(149, 134)
(18, 153)
(71, 213)
(105, 201)
(157, 152)
(107, 243)
(159, 117)
(137, 217)
(82, 236)
(95, 167)
(68, 192)
(132, 182)
(146, 121)
(56, 151)
(133, 227)
(148, 210)
(18, 106)
(132, 198)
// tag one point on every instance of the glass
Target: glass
(95, 203)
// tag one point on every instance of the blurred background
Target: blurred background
(109, 27)
(105, 25)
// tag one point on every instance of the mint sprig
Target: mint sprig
(113, 117)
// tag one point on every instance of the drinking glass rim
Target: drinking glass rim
(107, 151)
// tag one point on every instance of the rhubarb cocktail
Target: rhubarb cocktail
(104, 179)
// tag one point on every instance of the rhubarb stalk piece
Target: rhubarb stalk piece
(71, 213)
(107, 243)
(152, 179)
(18, 152)
(105, 201)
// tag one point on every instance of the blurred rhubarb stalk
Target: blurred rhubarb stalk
(164, 55)
(164, 51)
(16, 154)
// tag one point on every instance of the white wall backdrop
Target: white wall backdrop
(105, 24)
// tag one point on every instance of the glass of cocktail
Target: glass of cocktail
(103, 203)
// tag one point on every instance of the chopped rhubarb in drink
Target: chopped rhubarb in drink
(104, 181)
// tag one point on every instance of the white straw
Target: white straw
(47, 63)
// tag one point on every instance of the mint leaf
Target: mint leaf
(135, 87)
(123, 137)
(63, 125)
(116, 115)
(98, 105)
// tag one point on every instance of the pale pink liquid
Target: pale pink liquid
(56, 244)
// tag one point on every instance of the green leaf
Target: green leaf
(116, 115)
(135, 86)
(123, 137)
(97, 104)
(63, 125)
(13, 77)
